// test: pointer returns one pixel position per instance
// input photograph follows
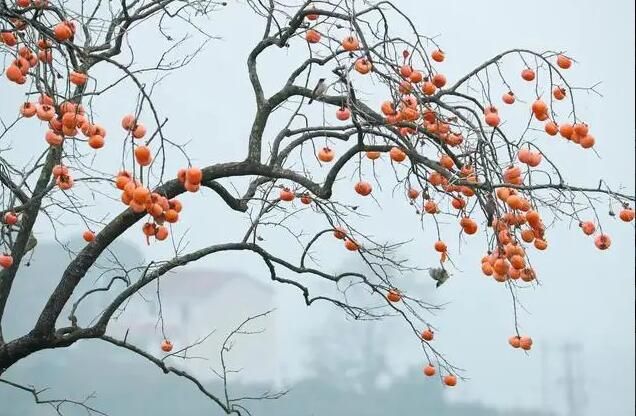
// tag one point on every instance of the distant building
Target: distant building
(195, 302)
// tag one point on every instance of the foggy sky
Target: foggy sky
(586, 296)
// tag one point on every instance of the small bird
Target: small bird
(31, 243)
(489, 207)
(439, 275)
(319, 90)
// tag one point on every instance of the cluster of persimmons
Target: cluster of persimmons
(520, 223)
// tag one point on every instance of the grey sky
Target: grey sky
(586, 296)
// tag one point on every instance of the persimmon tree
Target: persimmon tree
(454, 158)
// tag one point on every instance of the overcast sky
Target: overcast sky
(586, 297)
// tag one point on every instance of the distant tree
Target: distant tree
(452, 155)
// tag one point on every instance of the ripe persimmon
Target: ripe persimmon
(458, 202)
(122, 179)
(373, 155)
(128, 122)
(527, 235)
(430, 207)
(69, 131)
(427, 335)
(351, 245)
(326, 154)
(363, 188)
(528, 74)
(564, 62)
(450, 380)
(436, 178)
(363, 66)
(540, 244)
(340, 233)
(155, 210)
(139, 131)
(551, 128)
(446, 161)
(503, 193)
(514, 201)
(343, 114)
(394, 295)
(181, 175)
(53, 138)
(602, 241)
(587, 141)
(539, 107)
(527, 275)
(174, 204)
(501, 266)
(428, 88)
(10, 218)
(525, 343)
(312, 36)
(517, 262)
(171, 216)
(581, 129)
(387, 108)
(6, 261)
(78, 78)
(439, 80)
(28, 109)
(397, 154)
(162, 233)
(440, 246)
(14, 73)
(88, 236)
(492, 119)
(438, 55)
(194, 175)
(286, 195)
(8, 38)
(312, 16)
(566, 130)
(626, 214)
(46, 56)
(64, 182)
(149, 229)
(535, 159)
(142, 155)
(96, 141)
(515, 341)
(45, 112)
(416, 77)
(406, 71)
(166, 346)
(62, 32)
(523, 155)
(508, 98)
(350, 43)
(587, 227)
(141, 194)
(533, 218)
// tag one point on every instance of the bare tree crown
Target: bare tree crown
(445, 140)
